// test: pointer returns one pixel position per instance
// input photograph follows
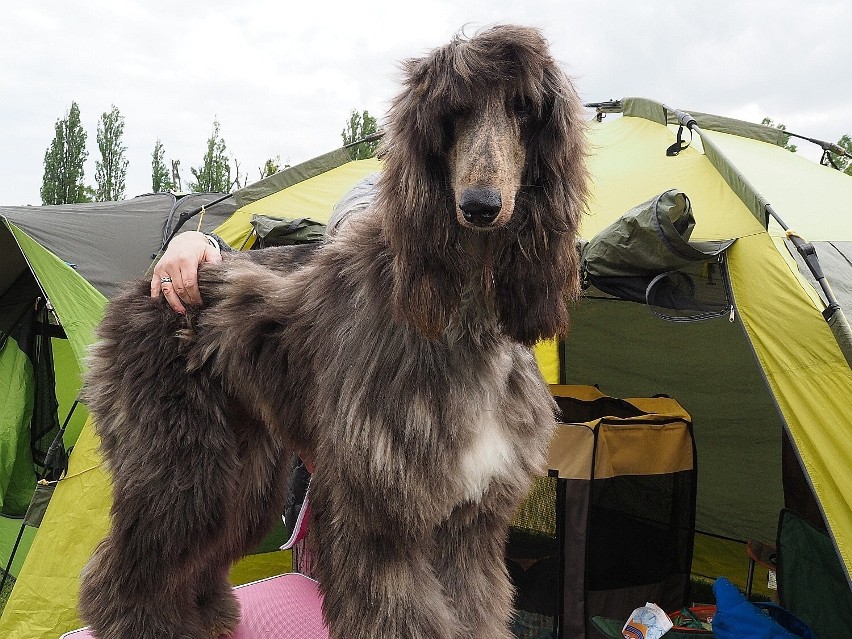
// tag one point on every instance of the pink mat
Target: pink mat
(283, 607)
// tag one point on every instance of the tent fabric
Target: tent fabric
(291, 176)
(43, 603)
(798, 360)
(811, 583)
(656, 112)
(314, 198)
(271, 231)
(769, 365)
(17, 377)
(646, 256)
(650, 238)
(78, 305)
(110, 242)
(836, 260)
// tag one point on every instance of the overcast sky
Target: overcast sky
(282, 77)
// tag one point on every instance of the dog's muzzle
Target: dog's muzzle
(480, 206)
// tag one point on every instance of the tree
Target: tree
(785, 138)
(842, 162)
(214, 174)
(177, 185)
(270, 167)
(111, 169)
(89, 195)
(62, 182)
(359, 126)
(160, 178)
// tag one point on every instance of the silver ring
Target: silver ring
(165, 280)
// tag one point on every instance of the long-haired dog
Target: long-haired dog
(396, 356)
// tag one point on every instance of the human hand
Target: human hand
(179, 268)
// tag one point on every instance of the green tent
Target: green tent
(58, 264)
(48, 313)
(768, 370)
(750, 357)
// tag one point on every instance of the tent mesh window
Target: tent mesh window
(612, 525)
(533, 559)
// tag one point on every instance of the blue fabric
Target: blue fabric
(737, 618)
(786, 619)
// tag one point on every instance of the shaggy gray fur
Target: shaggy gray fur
(395, 356)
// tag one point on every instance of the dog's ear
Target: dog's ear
(419, 208)
(538, 275)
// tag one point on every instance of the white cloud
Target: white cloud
(282, 77)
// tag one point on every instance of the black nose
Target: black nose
(480, 205)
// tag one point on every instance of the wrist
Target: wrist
(213, 243)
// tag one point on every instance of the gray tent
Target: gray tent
(111, 242)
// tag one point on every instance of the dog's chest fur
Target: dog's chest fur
(487, 446)
(488, 454)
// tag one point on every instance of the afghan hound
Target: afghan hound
(395, 356)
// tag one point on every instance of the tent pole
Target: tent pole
(7, 572)
(49, 460)
(186, 216)
(57, 444)
(833, 313)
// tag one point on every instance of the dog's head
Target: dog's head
(485, 149)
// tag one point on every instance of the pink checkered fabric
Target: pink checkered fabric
(283, 607)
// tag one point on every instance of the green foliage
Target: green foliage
(62, 182)
(160, 178)
(89, 195)
(111, 169)
(7, 589)
(785, 139)
(214, 174)
(177, 185)
(844, 163)
(271, 167)
(359, 126)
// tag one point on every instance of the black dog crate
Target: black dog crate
(611, 526)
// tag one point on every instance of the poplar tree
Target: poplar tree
(111, 169)
(359, 126)
(214, 174)
(62, 182)
(160, 177)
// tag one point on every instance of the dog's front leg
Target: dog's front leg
(378, 581)
(469, 560)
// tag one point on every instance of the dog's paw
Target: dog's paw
(221, 615)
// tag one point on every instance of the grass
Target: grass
(7, 590)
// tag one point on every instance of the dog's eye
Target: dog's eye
(462, 112)
(520, 108)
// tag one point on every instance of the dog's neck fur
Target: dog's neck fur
(476, 315)
(474, 319)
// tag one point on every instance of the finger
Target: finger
(155, 281)
(212, 255)
(172, 298)
(186, 281)
(189, 280)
